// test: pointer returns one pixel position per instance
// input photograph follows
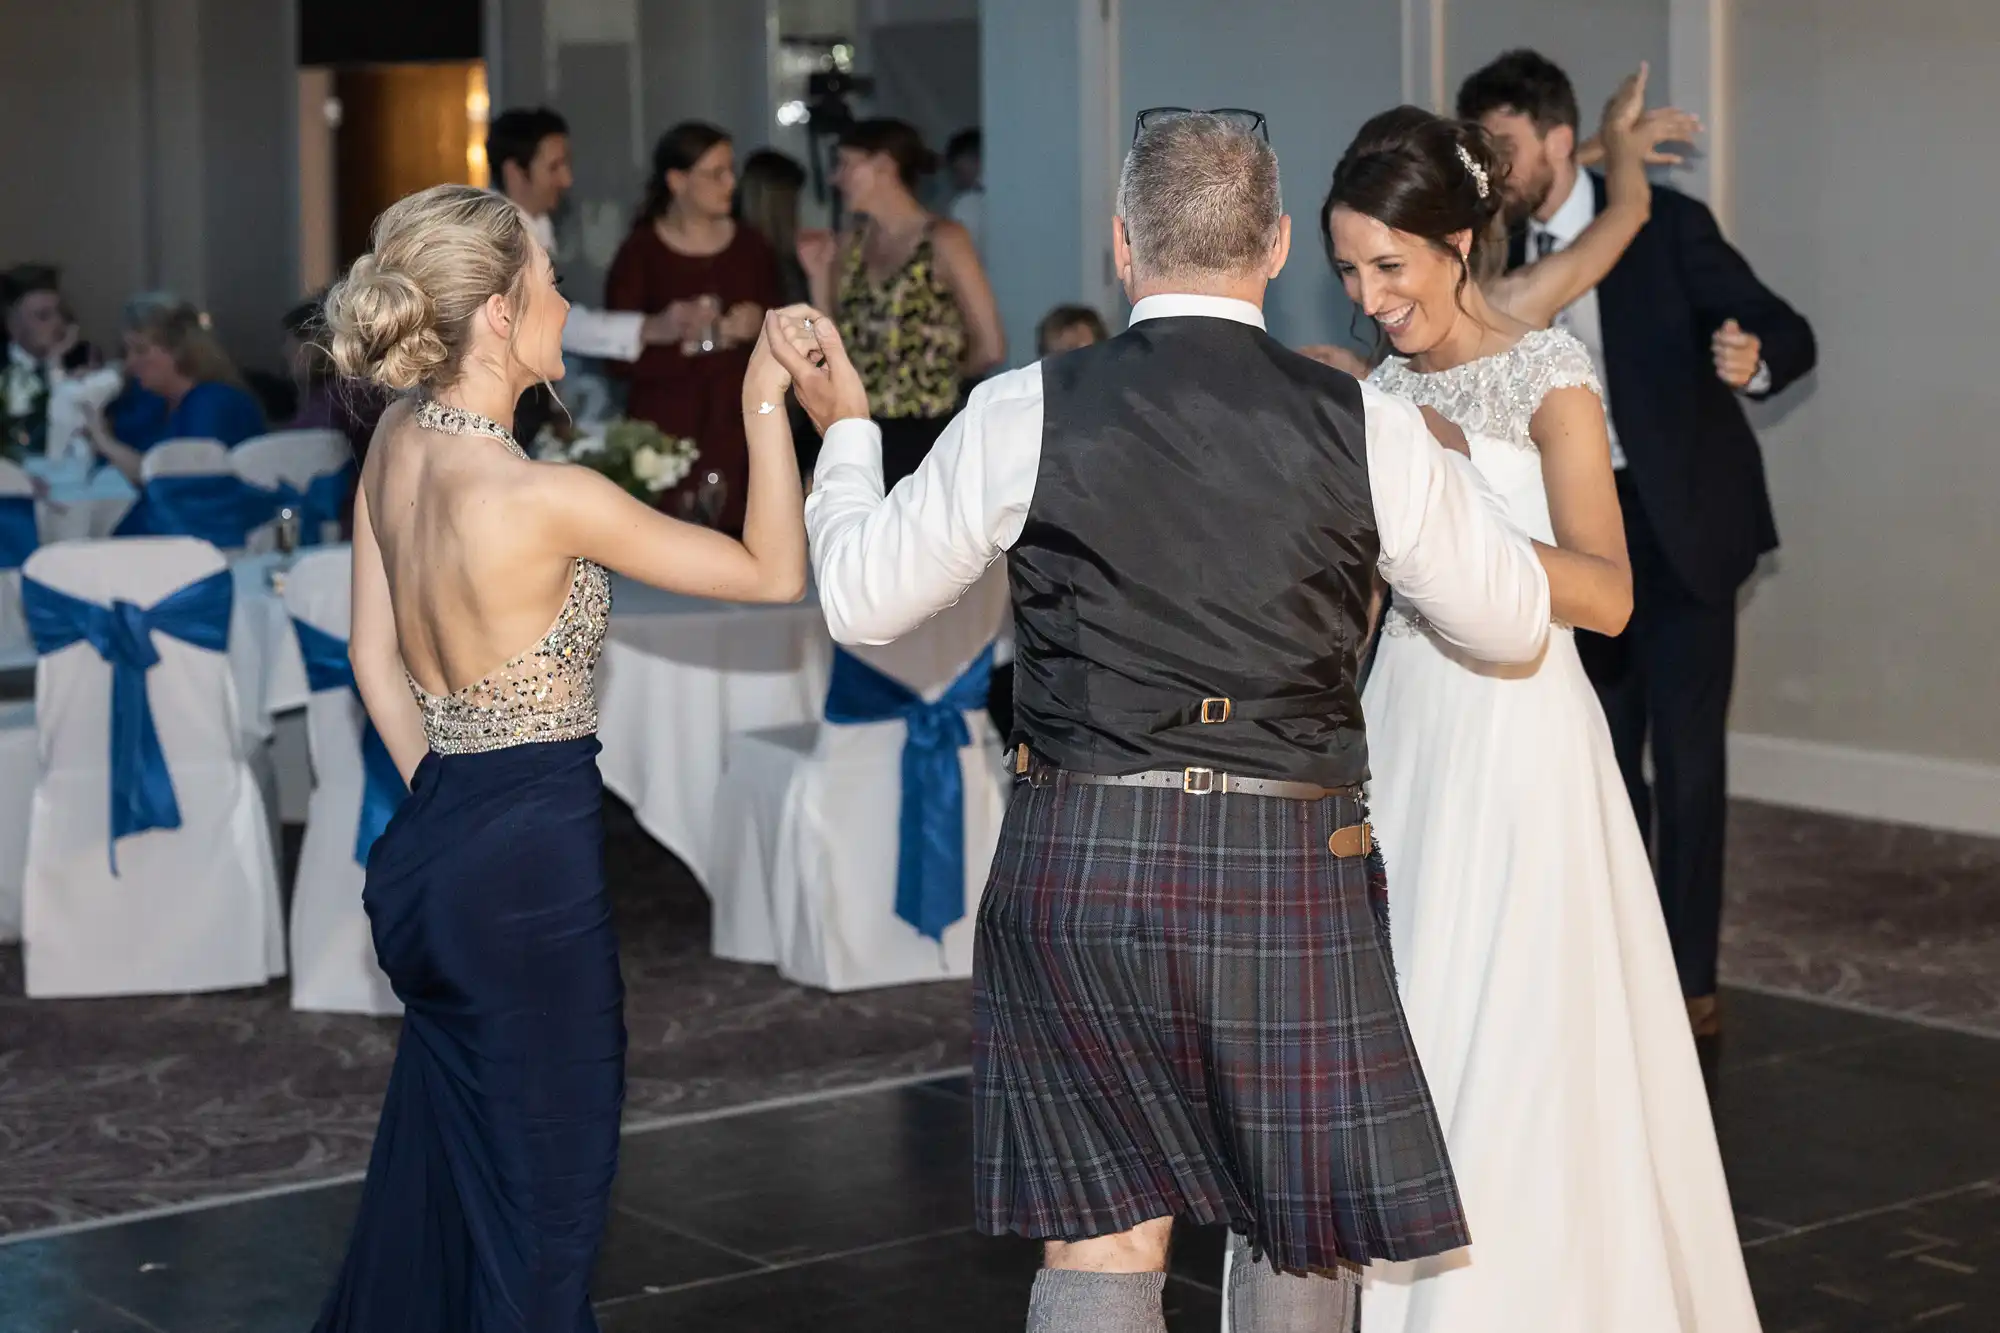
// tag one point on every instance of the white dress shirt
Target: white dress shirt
(1580, 316)
(613, 335)
(884, 565)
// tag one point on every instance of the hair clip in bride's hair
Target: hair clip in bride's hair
(1477, 172)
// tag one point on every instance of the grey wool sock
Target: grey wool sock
(1263, 1300)
(1068, 1300)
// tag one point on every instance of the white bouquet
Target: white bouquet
(635, 455)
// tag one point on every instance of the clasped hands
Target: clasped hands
(685, 321)
(800, 349)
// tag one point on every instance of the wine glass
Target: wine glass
(712, 497)
(288, 530)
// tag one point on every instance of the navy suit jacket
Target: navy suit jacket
(1690, 451)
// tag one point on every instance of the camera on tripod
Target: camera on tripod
(827, 106)
(829, 113)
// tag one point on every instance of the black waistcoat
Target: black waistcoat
(1201, 529)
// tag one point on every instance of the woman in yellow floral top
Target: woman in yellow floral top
(907, 289)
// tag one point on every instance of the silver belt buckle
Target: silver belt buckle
(1197, 781)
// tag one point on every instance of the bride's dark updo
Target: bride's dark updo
(1420, 173)
(403, 315)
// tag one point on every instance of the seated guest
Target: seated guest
(1067, 328)
(327, 402)
(170, 353)
(713, 280)
(41, 341)
(137, 415)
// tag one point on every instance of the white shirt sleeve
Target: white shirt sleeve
(885, 565)
(1445, 545)
(614, 335)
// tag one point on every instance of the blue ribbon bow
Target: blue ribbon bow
(142, 791)
(382, 785)
(216, 507)
(317, 505)
(18, 534)
(930, 863)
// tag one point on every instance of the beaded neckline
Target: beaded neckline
(449, 420)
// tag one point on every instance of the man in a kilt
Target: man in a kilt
(1185, 1005)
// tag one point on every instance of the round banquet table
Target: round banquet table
(679, 674)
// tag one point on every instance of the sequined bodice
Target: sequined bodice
(1494, 400)
(546, 693)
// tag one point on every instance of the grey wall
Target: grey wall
(248, 105)
(1317, 68)
(158, 152)
(70, 84)
(1030, 72)
(1597, 42)
(686, 61)
(1865, 170)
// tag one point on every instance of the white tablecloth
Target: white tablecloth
(263, 649)
(82, 504)
(679, 675)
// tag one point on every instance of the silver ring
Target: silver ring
(809, 325)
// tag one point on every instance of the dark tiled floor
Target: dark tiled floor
(1861, 1152)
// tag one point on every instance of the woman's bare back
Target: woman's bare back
(472, 583)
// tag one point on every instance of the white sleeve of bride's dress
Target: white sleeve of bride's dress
(885, 564)
(1447, 549)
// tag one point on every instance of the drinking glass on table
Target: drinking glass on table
(707, 335)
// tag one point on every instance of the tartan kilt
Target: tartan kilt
(1185, 1006)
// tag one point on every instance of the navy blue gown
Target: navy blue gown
(492, 1166)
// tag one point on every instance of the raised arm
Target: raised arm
(1536, 293)
(1445, 546)
(885, 565)
(587, 515)
(375, 654)
(1591, 582)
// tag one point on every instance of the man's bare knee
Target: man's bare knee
(1143, 1249)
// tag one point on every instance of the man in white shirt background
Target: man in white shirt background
(527, 150)
(1183, 910)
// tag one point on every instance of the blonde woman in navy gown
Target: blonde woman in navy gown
(480, 601)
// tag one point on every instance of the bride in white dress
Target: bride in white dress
(1533, 962)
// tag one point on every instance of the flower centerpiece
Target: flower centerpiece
(636, 456)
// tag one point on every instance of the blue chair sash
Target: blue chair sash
(930, 862)
(317, 505)
(142, 791)
(18, 535)
(382, 785)
(216, 507)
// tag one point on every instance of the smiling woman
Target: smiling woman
(1433, 190)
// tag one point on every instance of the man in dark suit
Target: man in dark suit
(1682, 331)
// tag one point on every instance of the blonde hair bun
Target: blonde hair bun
(403, 315)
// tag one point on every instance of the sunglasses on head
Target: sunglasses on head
(1250, 122)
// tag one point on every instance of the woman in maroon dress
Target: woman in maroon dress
(686, 255)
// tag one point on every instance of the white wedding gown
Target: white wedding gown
(1533, 961)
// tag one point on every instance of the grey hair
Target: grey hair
(1199, 195)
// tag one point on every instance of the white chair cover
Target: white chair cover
(803, 872)
(184, 458)
(294, 457)
(333, 951)
(193, 908)
(20, 764)
(16, 650)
